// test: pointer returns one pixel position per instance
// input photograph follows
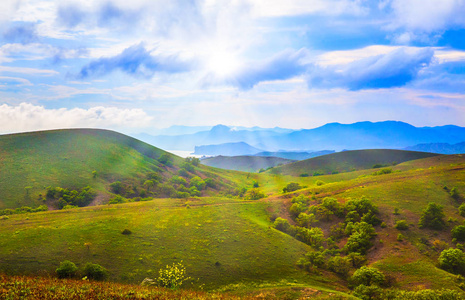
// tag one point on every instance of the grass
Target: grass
(46, 288)
(219, 243)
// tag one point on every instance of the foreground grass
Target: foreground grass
(219, 242)
(44, 288)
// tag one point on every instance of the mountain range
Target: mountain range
(334, 136)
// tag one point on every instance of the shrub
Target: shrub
(339, 265)
(281, 224)
(401, 225)
(452, 260)
(67, 269)
(299, 199)
(116, 200)
(290, 187)
(319, 182)
(198, 183)
(459, 233)
(116, 187)
(432, 217)
(368, 276)
(254, 194)
(126, 232)
(165, 159)
(95, 271)
(297, 208)
(454, 193)
(172, 276)
(371, 292)
(462, 210)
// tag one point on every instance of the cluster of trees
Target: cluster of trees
(71, 198)
(186, 183)
(22, 210)
(357, 218)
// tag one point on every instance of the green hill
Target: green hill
(75, 158)
(349, 161)
(219, 242)
(244, 163)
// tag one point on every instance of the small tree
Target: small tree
(432, 217)
(454, 193)
(116, 187)
(172, 276)
(452, 260)
(293, 186)
(95, 271)
(368, 276)
(67, 269)
(459, 233)
(401, 225)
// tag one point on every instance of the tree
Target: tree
(368, 276)
(401, 225)
(293, 186)
(432, 217)
(95, 271)
(281, 224)
(459, 233)
(67, 269)
(116, 187)
(149, 184)
(198, 183)
(254, 194)
(452, 260)
(454, 193)
(339, 265)
(165, 159)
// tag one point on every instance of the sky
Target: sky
(133, 66)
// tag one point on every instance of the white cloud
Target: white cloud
(418, 19)
(29, 117)
(278, 8)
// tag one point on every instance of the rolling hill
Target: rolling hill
(76, 158)
(244, 163)
(349, 161)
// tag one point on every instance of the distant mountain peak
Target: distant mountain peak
(220, 129)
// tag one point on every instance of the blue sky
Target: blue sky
(136, 65)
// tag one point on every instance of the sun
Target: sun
(222, 63)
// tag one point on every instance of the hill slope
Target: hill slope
(349, 161)
(244, 163)
(29, 162)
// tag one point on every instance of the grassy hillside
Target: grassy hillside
(349, 161)
(220, 242)
(244, 163)
(412, 260)
(75, 158)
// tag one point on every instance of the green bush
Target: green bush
(432, 217)
(462, 209)
(401, 225)
(459, 233)
(282, 224)
(67, 269)
(368, 276)
(339, 265)
(95, 271)
(290, 187)
(172, 276)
